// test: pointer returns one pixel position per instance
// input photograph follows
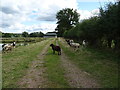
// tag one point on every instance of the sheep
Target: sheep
(7, 47)
(76, 45)
(69, 41)
(72, 43)
(84, 43)
(13, 44)
(56, 48)
(3, 47)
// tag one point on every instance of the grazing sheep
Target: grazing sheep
(75, 45)
(72, 43)
(14, 44)
(3, 46)
(69, 41)
(7, 47)
(56, 48)
(84, 43)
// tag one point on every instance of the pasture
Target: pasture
(21, 39)
(35, 66)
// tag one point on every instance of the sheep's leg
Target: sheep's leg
(60, 52)
(53, 51)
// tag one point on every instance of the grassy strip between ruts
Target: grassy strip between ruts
(54, 72)
(16, 62)
(102, 66)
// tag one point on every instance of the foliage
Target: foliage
(6, 35)
(99, 31)
(67, 18)
(25, 34)
(36, 34)
(0, 34)
(110, 21)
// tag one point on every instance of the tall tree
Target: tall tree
(110, 21)
(67, 18)
(25, 34)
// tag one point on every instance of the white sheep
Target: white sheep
(76, 45)
(7, 47)
(84, 43)
(71, 41)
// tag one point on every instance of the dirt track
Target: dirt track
(34, 77)
(76, 77)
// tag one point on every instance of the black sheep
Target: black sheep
(56, 48)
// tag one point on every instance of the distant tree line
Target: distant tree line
(23, 34)
(34, 34)
(99, 31)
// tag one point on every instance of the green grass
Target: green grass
(0, 70)
(55, 72)
(16, 62)
(101, 65)
(22, 39)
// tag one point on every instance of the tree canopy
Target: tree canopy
(67, 18)
(99, 31)
(25, 34)
(36, 34)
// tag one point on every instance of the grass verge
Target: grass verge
(16, 62)
(102, 66)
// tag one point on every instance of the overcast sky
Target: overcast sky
(39, 15)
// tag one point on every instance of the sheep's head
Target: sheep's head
(51, 45)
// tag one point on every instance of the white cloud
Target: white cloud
(19, 28)
(85, 14)
(43, 27)
(15, 12)
(95, 12)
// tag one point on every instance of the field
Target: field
(35, 66)
(21, 39)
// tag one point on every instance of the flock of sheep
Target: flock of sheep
(75, 45)
(9, 47)
(70, 42)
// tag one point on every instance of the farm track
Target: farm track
(35, 74)
(76, 77)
